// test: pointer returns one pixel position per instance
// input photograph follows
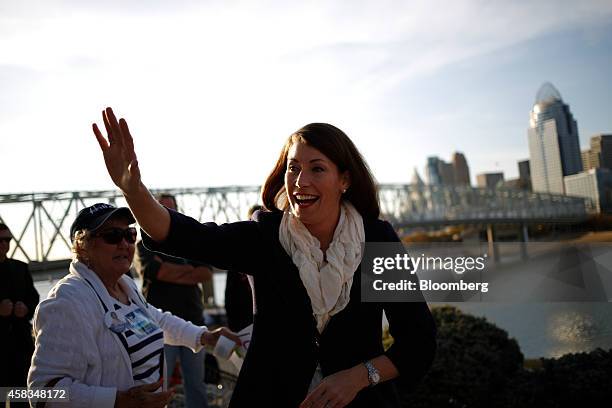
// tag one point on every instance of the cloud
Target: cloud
(235, 72)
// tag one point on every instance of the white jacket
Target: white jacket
(73, 342)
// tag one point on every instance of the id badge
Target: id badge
(114, 322)
(140, 324)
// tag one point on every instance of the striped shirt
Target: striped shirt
(143, 340)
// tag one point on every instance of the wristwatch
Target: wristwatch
(373, 374)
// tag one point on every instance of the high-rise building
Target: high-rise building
(440, 172)
(432, 172)
(489, 180)
(586, 160)
(595, 184)
(447, 173)
(461, 169)
(524, 175)
(554, 149)
(599, 156)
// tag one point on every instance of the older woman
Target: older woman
(95, 334)
(314, 343)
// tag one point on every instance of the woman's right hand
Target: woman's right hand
(119, 154)
(143, 396)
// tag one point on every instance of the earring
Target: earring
(344, 191)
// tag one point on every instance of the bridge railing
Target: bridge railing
(40, 222)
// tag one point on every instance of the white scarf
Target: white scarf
(328, 284)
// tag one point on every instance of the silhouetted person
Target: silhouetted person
(18, 300)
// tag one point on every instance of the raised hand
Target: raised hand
(118, 151)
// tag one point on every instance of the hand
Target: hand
(336, 390)
(143, 396)
(21, 310)
(119, 154)
(6, 308)
(209, 338)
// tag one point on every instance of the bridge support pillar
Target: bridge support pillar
(493, 249)
(524, 239)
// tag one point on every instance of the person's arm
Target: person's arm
(179, 332)
(64, 339)
(152, 267)
(235, 245)
(164, 229)
(122, 165)
(340, 388)
(183, 274)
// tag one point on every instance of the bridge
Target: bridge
(40, 222)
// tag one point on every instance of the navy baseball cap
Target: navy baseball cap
(92, 218)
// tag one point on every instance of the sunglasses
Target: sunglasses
(5, 239)
(113, 236)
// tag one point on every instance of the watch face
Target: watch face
(375, 378)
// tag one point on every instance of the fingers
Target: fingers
(160, 399)
(128, 141)
(150, 387)
(313, 397)
(109, 130)
(145, 395)
(231, 335)
(100, 138)
(112, 127)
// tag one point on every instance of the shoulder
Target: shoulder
(17, 265)
(265, 217)
(377, 230)
(70, 292)
(268, 220)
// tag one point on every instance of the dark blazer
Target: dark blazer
(286, 346)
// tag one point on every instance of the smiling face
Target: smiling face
(109, 260)
(314, 187)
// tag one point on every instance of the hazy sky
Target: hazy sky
(212, 89)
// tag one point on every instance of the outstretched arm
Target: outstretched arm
(122, 166)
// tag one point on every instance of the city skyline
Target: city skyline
(212, 90)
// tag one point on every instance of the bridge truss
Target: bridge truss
(40, 222)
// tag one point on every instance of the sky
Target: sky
(211, 89)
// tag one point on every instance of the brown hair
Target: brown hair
(337, 146)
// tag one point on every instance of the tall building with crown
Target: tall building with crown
(554, 149)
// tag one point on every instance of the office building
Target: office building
(554, 150)
(489, 180)
(595, 184)
(524, 180)
(461, 169)
(599, 156)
